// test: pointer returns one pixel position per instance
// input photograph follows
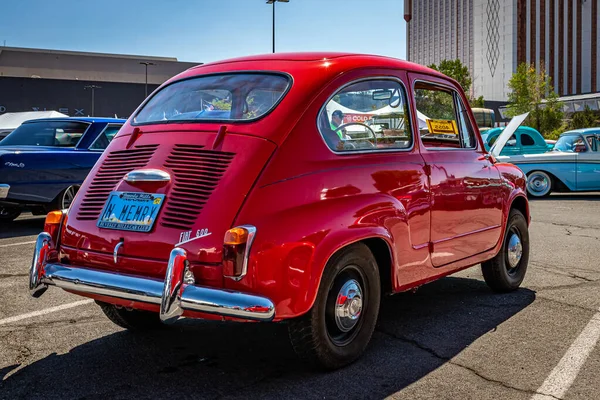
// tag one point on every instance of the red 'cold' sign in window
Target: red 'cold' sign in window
(361, 118)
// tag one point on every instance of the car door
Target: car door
(588, 163)
(466, 204)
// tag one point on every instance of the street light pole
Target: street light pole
(93, 88)
(273, 2)
(146, 63)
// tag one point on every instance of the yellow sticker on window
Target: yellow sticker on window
(442, 127)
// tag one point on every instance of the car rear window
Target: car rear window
(225, 97)
(47, 133)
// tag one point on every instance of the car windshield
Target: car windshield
(46, 133)
(571, 144)
(230, 97)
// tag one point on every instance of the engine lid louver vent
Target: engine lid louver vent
(116, 164)
(197, 172)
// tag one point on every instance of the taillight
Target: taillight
(236, 250)
(53, 223)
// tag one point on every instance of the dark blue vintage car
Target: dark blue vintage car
(43, 162)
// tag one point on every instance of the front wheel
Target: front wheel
(539, 184)
(337, 329)
(506, 271)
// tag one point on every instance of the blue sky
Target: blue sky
(205, 30)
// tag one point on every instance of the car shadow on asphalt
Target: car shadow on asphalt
(21, 227)
(416, 334)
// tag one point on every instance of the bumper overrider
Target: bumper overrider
(172, 295)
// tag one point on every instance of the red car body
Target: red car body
(423, 213)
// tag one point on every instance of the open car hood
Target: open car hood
(510, 129)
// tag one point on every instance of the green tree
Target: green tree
(584, 119)
(533, 92)
(458, 71)
(477, 102)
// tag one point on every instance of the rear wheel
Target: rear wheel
(134, 320)
(337, 329)
(506, 271)
(539, 184)
(8, 214)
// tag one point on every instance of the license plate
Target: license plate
(128, 211)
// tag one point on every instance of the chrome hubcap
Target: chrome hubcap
(348, 306)
(515, 250)
(538, 183)
(68, 197)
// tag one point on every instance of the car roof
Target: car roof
(309, 74)
(581, 131)
(80, 119)
(494, 131)
(329, 64)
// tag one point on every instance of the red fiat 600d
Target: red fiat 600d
(288, 187)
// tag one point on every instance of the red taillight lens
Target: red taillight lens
(236, 249)
(54, 221)
(233, 259)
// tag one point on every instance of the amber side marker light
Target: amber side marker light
(236, 250)
(53, 222)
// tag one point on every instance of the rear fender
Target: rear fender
(293, 245)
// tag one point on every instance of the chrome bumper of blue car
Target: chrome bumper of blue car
(4, 188)
(173, 295)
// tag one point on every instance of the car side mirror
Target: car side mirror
(512, 142)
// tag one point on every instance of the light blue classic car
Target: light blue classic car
(525, 140)
(572, 165)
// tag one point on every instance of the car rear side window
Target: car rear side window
(47, 133)
(105, 137)
(225, 97)
(369, 115)
(443, 119)
(527, 140)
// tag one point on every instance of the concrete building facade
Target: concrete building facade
(38, 79)
(492, 37)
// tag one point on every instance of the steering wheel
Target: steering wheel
(374, 144)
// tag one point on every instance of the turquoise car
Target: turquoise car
(572, 166)
(526, 140)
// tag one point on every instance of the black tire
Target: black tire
(8, 214)
(133, 320)
(539, 184)
(316, 336)
(499, 273)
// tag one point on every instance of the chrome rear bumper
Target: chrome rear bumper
(172, 294)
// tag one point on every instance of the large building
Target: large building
(493, 36)
(66, 81)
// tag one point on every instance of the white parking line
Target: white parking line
(16, 244)
(563, 375)
(44, 312)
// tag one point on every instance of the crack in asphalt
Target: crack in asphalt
(562, 287)
(4, 276)
(569, 225)
(52, 323)
(591, 309)
(450, 361)
(561, 272)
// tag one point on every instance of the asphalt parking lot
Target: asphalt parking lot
(452, 339)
